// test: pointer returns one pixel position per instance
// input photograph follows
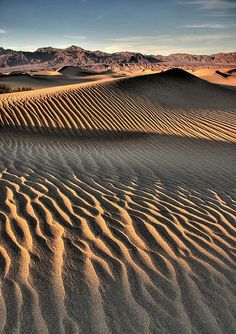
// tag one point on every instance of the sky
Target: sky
(150, 26)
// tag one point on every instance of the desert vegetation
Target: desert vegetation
(6, 89)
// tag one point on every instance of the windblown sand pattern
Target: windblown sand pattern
(170, 103)
(132, 231)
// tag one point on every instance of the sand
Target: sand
(68, 75)
(118, 207)
(213, 77)
(65, 76)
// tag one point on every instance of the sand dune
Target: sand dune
(78, 71)
(43, 79)
(118, 207)
(173, 102)
(212, 76)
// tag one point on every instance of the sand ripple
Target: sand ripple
(161, 103)
(120, 236)
(133, 233)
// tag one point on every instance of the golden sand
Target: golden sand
(213, 77)
(117, 208)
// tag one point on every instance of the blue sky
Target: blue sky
(150, 26)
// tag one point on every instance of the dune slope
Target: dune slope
(173, 102)
(224, 76)
(129, 232)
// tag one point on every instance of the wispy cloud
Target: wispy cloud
(166, 44)
(2, 31)
(220, 13)
(171, 38)
(208, 26)
(145, 38)
(23, 47)
(205, 38)
(75, 36)
(134, 38)
(210, 4)
(159, 49)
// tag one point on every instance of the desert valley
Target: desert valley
(48, 66)
(118, 206)
(117, 167)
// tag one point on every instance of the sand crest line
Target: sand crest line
(135, 104)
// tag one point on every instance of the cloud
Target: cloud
(2, 31)
(220, 14)
(154, 49)
(119, 47)
(210, 4)
(75, 36)
(209, 26)
(166, 44)
(205, 38)
(22, 47)
(134, 40)
(145, 38)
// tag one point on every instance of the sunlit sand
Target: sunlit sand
(118, 206)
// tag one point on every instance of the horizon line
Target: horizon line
(110, 53)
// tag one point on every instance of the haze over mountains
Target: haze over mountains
(47, 57)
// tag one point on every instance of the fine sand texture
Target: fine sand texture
(223, 76)
(118, 207)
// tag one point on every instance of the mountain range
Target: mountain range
(48, 57)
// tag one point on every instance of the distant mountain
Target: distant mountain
(217, 58)
(48, 57)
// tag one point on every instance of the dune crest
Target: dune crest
(150, 103)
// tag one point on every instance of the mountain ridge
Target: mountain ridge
(48, 57)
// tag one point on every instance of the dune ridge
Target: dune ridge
(128, 233)
(120, 105)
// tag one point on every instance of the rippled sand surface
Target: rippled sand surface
(118, 208)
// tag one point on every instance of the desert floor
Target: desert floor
(68, 75)
(118, 207)
(44, 79)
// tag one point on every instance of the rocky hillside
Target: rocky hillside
(74, 55)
